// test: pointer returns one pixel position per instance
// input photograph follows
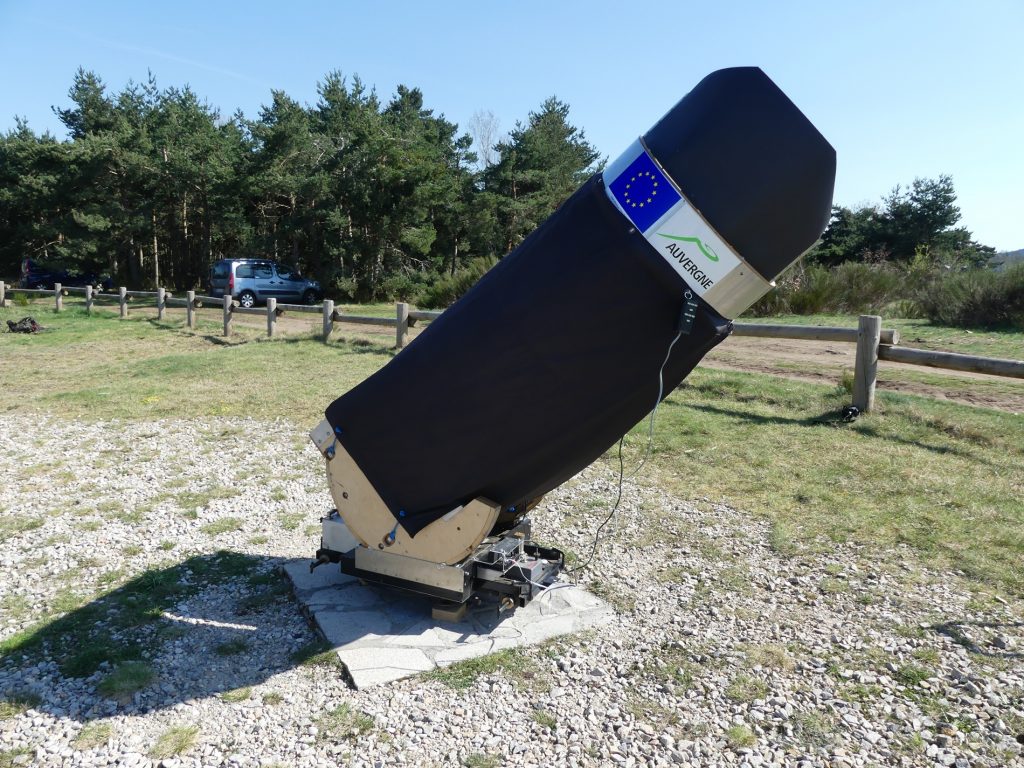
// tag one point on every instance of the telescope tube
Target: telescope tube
(555, 353)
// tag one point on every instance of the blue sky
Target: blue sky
(901, 89)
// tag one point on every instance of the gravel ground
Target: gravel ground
(724, 652)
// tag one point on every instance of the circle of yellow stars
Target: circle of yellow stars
(641, 202)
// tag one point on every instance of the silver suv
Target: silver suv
(256, 280)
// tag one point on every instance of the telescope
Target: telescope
(435, 461)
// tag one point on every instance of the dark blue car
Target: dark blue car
(37, 275)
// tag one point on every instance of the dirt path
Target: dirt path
(826, 361)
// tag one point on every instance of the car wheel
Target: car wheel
(247, 299)
(309, 297)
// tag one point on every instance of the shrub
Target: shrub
(446, 290)
(404, 287)
(851, 287)
(343, 288)
(975, 298)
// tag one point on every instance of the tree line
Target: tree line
(907, 256)
(376, 199)
(915, 223)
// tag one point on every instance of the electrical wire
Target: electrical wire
(611, 514)
(654, 412)
(622, 467)
(542, 589)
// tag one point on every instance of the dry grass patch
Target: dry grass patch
(16, 703)
(745, 688)
(481, 760)
(344, 722)
(13, 525)
(125, 680)
(93, 735)
(174, 741)
(739, 737)
(545, 719)
(318, 653)
(222, 525)
(237, 695)
(231, 647)
(769, 657)
(514, 663)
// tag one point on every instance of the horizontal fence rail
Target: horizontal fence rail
(953, 361)
(341, 317)
(313, 309)
(873, 342)
(418, 314)
(809, 332)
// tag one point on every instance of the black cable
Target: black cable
(618, 500)
(622, 466)
(654, 412)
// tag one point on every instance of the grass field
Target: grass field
(988, 391)
(945, 479)
(100, 367)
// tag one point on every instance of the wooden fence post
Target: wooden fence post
(869, 331)
(88, 299)
(271, 316)
(227, 314)
(328, 318)
(58, 297)
(123, 295)
(161, 303)
(402, 327)
(190, 309)
(3, 294)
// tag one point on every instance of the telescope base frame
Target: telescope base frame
(508, 565)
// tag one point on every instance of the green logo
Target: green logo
(706, 249)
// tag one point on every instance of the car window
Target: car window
(264, 271)
(244, 270)
(220, 271)
(288, 273)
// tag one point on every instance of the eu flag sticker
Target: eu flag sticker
(643, 192)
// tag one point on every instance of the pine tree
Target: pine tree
(540, 165)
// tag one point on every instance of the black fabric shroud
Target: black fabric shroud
(532, 375)
(555, 353)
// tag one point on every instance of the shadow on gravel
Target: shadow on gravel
(959, 632)
(208, 625)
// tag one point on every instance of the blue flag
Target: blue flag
(643, 192)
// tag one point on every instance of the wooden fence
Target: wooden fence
(873, 342)
(192, 302)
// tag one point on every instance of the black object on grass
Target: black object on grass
(555, 353)
(25, 325)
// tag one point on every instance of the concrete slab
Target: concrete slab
(382, 635)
